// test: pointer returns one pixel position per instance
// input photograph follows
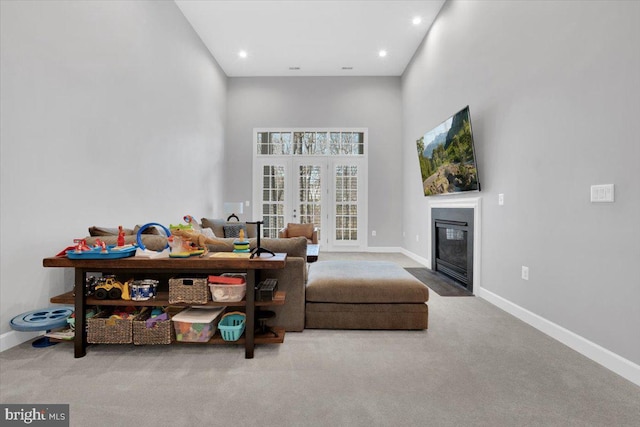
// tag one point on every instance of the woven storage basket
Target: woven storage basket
(103, 330)
(160, 333)
(188, 290)
(232, 325)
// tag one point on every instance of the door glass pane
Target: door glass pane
(273, 179)
(310, 195)
(346, 203)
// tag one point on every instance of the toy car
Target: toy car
(110, 288)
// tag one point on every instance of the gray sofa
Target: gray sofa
(152, 238)
(291, 279)
(364, 295)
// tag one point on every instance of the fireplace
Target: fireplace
(452, 244)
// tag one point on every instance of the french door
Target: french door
(328, 192)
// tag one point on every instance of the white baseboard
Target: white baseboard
(610, 360)
(384, 249)
(396, 249)
(14, 338)
(416, 258)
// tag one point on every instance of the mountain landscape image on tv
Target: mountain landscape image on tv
(447, 157)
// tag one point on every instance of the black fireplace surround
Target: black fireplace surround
(452, 244)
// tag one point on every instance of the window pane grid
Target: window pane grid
(310, 143)
(346, 178)
(273, 179)
(310, 195)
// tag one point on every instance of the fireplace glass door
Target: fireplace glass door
(452, 246)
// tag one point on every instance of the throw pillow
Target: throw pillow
(217, 225)
(296, 230)
(234, 230)
(107, 231)
(148, 230)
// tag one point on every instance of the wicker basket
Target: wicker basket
(188, 290)
(160, 333)
(101, 329)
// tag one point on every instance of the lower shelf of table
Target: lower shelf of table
(161, 300)
(216, 339)
(258, 339)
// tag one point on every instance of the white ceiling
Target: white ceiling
(319, 36)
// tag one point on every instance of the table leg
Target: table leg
(250, 313)
(80, 339)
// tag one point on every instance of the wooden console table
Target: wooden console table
(193, 265)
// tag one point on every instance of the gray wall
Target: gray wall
(554, 93)
(371, 102)
(112, 113)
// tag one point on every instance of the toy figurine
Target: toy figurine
(120, 236)
(81, 245)
(196, 238)
(192, 222)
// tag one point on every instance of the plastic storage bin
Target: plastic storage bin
(232, 325)
(227, 287)
(196, 324)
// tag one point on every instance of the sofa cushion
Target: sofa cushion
(108, 231)
(148, 230)
(294, 247)
(323, 315)
(363, 282)
(150, 241)
(304, 230)
(217, 225)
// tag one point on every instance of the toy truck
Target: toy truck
(110, 288)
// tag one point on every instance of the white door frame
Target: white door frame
(291, 163)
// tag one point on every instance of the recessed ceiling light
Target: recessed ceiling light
(417, 20)
(382, 53)
(242, 54)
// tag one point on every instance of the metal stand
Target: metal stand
(259, 250)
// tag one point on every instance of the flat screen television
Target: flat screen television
(447, 157)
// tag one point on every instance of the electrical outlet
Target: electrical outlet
(525, 272)
(417, 237)
(247, 203)
(373, 233)
(501, 199)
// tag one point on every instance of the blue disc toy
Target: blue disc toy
(41, 320)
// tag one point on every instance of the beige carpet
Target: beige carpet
(475, 366)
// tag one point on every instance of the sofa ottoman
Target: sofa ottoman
(364, 295)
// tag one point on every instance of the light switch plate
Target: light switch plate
(603, 193)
